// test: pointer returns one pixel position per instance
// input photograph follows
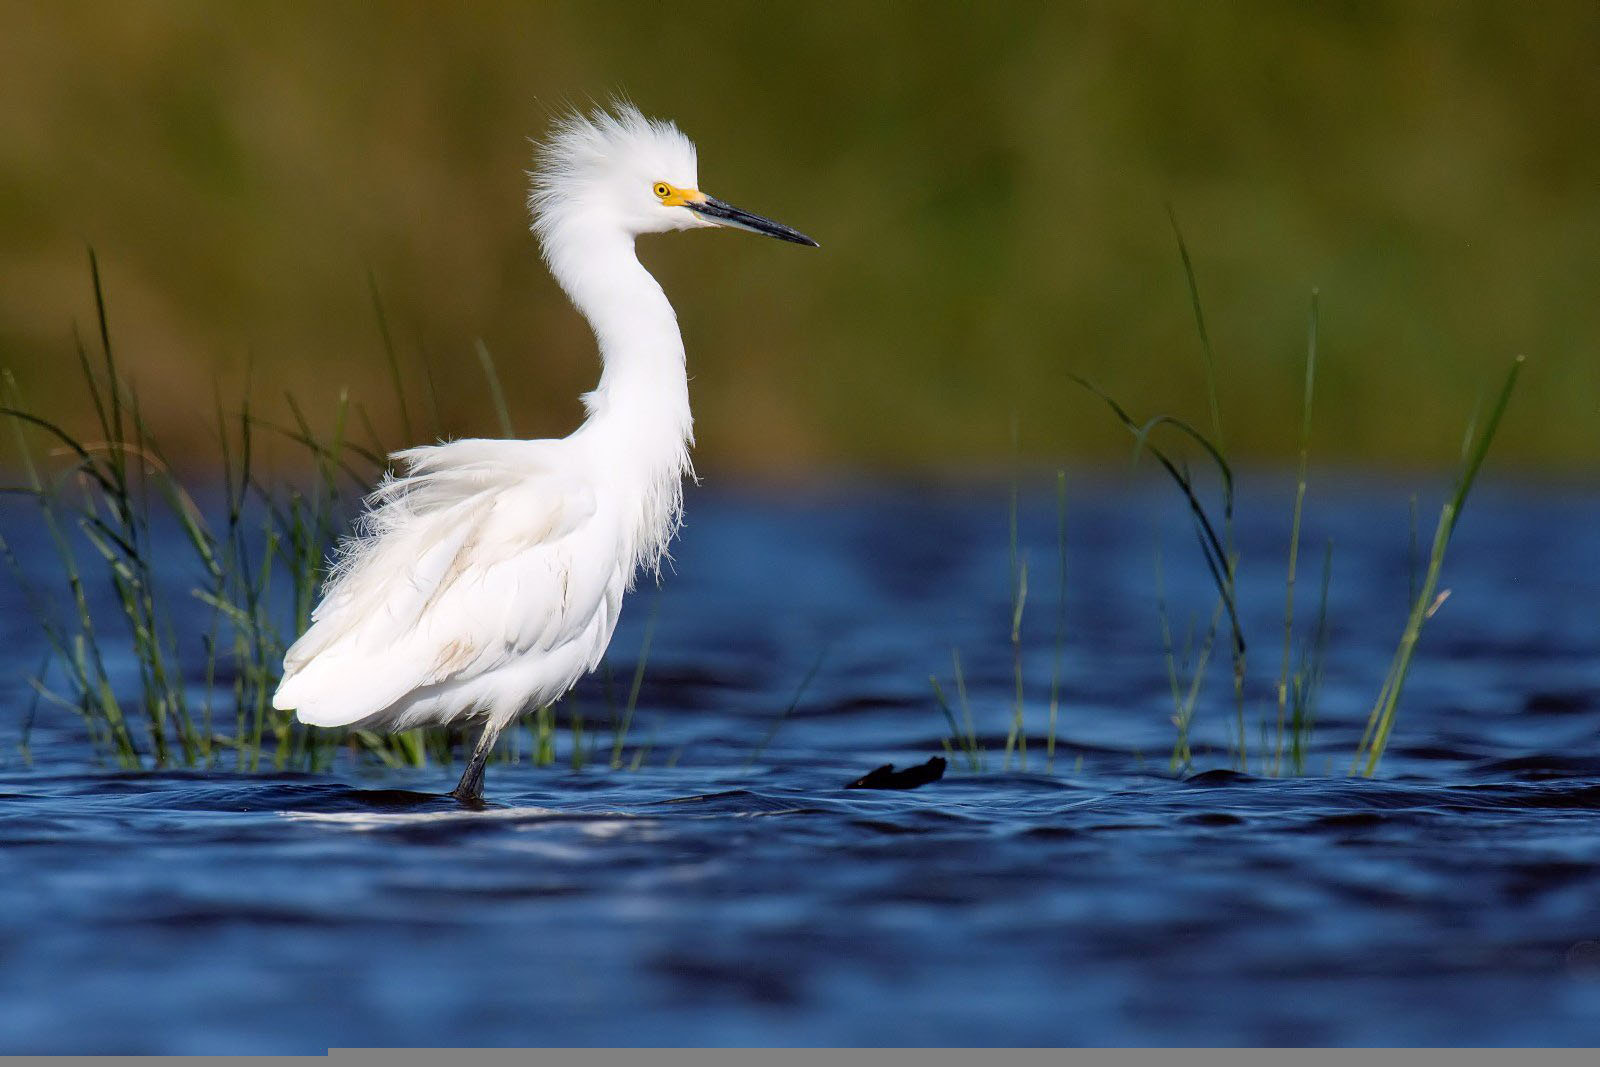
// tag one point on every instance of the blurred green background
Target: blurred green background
(988, 183)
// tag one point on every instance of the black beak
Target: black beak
(728, 215)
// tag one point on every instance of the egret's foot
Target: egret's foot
(469, 791)
(468, 799)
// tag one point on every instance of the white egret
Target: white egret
(487, 577)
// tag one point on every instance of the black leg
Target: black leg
(469, 791)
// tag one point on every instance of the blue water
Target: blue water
(724, 893)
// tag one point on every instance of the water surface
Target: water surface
(725, 893)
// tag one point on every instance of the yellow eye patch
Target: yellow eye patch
(671, 196)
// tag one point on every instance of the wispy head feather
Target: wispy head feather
(604, 162)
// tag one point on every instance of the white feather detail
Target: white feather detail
(459, 567)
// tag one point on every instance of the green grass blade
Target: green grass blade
(392, 356)
(1301, 469)
(1200, 324)
(1381, 721)
(620, 738)
(794, 702)
(496, 394)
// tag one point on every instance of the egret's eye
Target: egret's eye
(663, 190)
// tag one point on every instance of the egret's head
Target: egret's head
(617, 168)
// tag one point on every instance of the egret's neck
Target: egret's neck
(639, 422)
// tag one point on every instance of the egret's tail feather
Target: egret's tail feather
(463, 516)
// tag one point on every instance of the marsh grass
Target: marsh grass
(180, 669)
(175, 676)
(1285, 746)
(1286, 727)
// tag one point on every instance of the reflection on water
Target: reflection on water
(712, 898)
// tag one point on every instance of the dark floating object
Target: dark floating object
(1219, 776)
(384, 799)
(886, 777)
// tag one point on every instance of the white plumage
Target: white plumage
(487, 576)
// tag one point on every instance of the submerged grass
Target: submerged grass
(167, 679)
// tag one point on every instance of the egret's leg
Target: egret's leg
(469, 790)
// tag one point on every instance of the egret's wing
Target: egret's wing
(460, 564)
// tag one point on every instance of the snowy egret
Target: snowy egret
(487, 576)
